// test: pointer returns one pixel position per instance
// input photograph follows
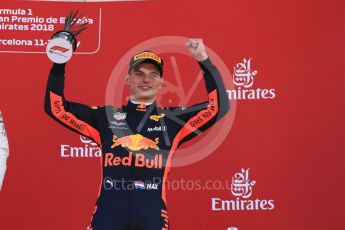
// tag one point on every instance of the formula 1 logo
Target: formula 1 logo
(59, 48)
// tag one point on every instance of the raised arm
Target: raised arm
(199, 117)
(77, 117)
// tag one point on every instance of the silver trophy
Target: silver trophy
(63, 43)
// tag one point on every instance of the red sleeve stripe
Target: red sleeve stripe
(188, 128)
(202, 117)
(70, 120)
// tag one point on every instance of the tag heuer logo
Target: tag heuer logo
(120, 116)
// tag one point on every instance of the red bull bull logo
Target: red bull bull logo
(141, 108)
(157, 117)
(138, 159)
(135, 142)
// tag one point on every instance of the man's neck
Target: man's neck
(141, 100)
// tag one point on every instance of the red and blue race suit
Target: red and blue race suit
(138, 142)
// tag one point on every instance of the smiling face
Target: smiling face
(144, 82)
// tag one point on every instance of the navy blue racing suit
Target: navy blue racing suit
(137, 142)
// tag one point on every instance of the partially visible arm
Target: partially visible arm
(4, 152)
(200, 117)
(75, 116)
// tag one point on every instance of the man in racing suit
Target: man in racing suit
(139, 139)
(3, 150)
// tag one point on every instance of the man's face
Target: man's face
(144, 82)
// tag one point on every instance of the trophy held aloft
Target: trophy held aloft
(63, 43)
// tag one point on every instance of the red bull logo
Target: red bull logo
(157, 117)
(141, 108)
(135, 142)
(139, 160)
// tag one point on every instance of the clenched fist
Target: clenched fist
(196, 48)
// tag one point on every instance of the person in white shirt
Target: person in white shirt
(3, 150)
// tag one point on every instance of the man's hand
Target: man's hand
(196, 48)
